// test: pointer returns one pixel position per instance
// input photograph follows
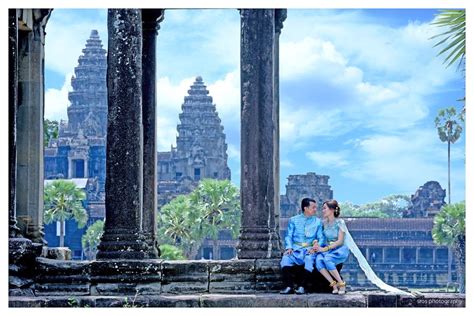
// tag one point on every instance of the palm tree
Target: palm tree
(62, 201)
(91, 239)
(188, 219)
(454, 37)
(450, 230)
(218, 203)
(449, 130)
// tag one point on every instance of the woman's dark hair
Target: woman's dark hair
(305, 203)
(333, 205)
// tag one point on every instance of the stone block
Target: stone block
(216, 300)
(149, 288)
(21, 292)
(232, 287)
(174, 301)
(278, 300)
(61, 289)
(128, 271)
(115, 289)
(268, 275)
(112, 302)
(59, 253)
(18, 282)
(62, 271)
(185, 271)
(26, 302)
(185, 287)
(381, 300)
(232, 276)
(22, 251)
(331, 300)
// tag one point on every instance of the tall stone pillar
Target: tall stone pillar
(258, 235)
(280, 17)
(13, 230)
(151, 19)
(123, 237)
(29, 125)
(26, 64)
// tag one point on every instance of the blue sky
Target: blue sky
(359, 91)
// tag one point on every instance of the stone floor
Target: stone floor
(352, 299)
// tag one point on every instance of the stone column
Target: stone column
(26, 60)
(123, 237)
(29, 133)
(280, 17)
(13, 230)
(69, 167)
(258, 236)
(151, 20)
(86, 167)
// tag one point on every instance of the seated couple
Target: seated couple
(322, 243)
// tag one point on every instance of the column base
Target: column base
(258, 243)
(123, 244)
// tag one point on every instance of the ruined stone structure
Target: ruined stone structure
(201, 150)
(427, 200)
(301, 186)
(127, 270)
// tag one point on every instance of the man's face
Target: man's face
(310, 210)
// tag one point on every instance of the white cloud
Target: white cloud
(405, 160)
(233, 152)
(63, 45)
(226, 95)
(169, 98)
(56, 101)
(286, 163)
(329, 159)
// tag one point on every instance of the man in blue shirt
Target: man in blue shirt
(304, 231)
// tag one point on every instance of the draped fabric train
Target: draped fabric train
(364, 265)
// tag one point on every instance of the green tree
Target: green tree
(91, 239)
(449, 130)
(188, 219)
(170, 252)
(62, 201)
(389, 206)
(454, 36)
(50, 131)
(450, 230)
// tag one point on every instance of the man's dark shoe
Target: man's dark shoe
(287, 290)
(300, 290)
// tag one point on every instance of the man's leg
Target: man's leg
(287, 271)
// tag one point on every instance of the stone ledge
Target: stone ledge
(354, 299)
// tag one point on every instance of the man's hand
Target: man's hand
(288, 251)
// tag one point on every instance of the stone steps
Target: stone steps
(353, 299)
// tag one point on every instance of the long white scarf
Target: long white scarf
(364, 265)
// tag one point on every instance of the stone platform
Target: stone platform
(353, 299)
(194, 283)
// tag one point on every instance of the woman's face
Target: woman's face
(327, 211)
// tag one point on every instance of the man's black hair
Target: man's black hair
(305, 203)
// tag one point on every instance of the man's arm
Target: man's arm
(320, 235)
(289, 235)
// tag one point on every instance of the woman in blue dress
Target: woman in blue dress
(334, 251)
